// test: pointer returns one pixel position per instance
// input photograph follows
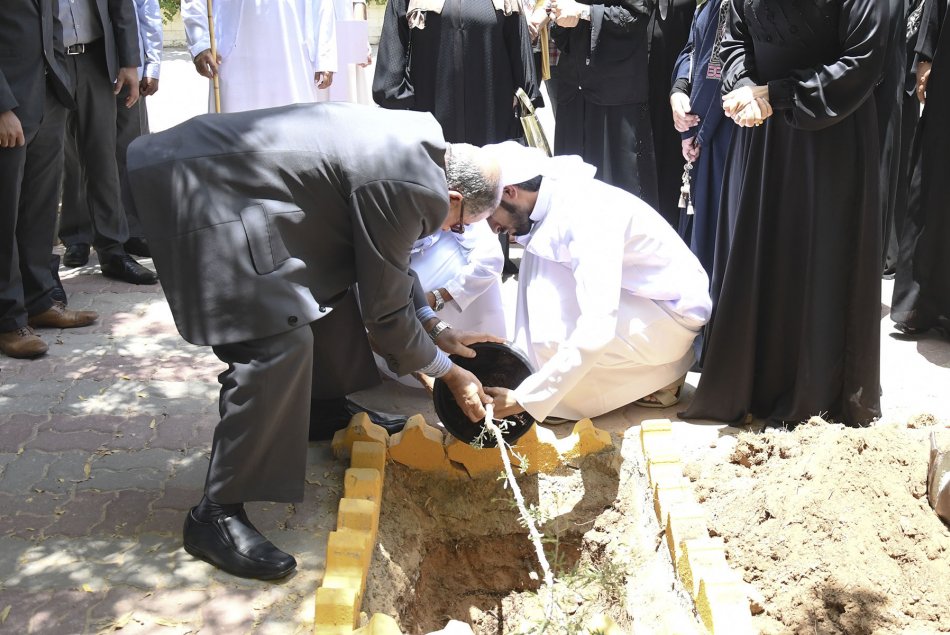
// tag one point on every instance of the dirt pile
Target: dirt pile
(832, 525)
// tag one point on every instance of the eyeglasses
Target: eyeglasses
(459, 227)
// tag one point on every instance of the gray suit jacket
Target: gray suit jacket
(259, 221)
(121, 34)
(31, 45)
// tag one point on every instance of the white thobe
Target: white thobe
(270, 49)
(352, 82)
(610, 300)
(468, 266)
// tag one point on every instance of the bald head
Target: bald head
(474, 173)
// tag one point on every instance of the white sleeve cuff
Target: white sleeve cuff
(439, 366)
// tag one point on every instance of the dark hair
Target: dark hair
(531, 185)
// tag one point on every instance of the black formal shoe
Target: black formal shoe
(76, 255)
(138, 247)
(234, 545)
(392, 422)
(123, 267)
(58, 294)
(329, 415)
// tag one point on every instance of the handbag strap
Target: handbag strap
(527, 108)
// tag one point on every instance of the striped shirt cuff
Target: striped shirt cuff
(439, 366)
(424, 313)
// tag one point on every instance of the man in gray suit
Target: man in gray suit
(34, 94)
(102, 58)
(260, 223)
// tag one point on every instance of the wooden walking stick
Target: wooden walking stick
(214, 57)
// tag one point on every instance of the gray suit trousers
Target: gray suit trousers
(93, 127)
(259, 451)
(29, 189)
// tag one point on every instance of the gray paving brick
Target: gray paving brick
(65, 471)
(157, 459)
(16, 430)
(46, 386)
(32, 404)
(56, 441)
(24, 471)
(89, 397)
(190, 470)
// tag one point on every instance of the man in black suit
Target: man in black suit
(102, 57)
(34, 94)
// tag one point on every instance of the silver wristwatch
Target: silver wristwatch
(436, 330)
(439, 300)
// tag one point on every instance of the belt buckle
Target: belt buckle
(76, 49)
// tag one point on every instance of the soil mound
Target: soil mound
(832, 525)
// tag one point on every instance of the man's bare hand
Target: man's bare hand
(11, 130)
(455, 342)
(683, 120)
(923, 75)
(148, 86)
(128, 76)
(206, 65)
(323, 79)
(504, 402)
(468, 392)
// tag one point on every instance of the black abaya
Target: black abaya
(796, 331)
(922, 286)
(463, 67)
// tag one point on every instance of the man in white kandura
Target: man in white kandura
(269, 52)
(460, 272)
(610, 298)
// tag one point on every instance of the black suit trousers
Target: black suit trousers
(29, 190)
(92, 168)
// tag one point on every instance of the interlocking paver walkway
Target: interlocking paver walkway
(103, 448)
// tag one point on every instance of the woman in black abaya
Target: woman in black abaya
(795, 332)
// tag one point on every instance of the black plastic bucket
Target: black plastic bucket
(500, 365)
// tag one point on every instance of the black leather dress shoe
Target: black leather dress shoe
(123, 267)
(392, 422)
(138, 247)
(76, 255)
(329, 415)
(234, 545)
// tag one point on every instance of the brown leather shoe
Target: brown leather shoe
(59, 317)
(22, 343)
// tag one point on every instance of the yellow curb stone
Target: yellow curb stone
(667, 493)
(357, 514)
(654, 426)
(360, 428)
(585, 439)
(664, 468)
(658, 444)
(723, 606)
(350, 547)
(364, 483)
(602, 625)
(369, 454)
(379, 624)
(420, 447)
(336, 609)
(477, 462)
(686, 521)
(700, 557)
(538, 446)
